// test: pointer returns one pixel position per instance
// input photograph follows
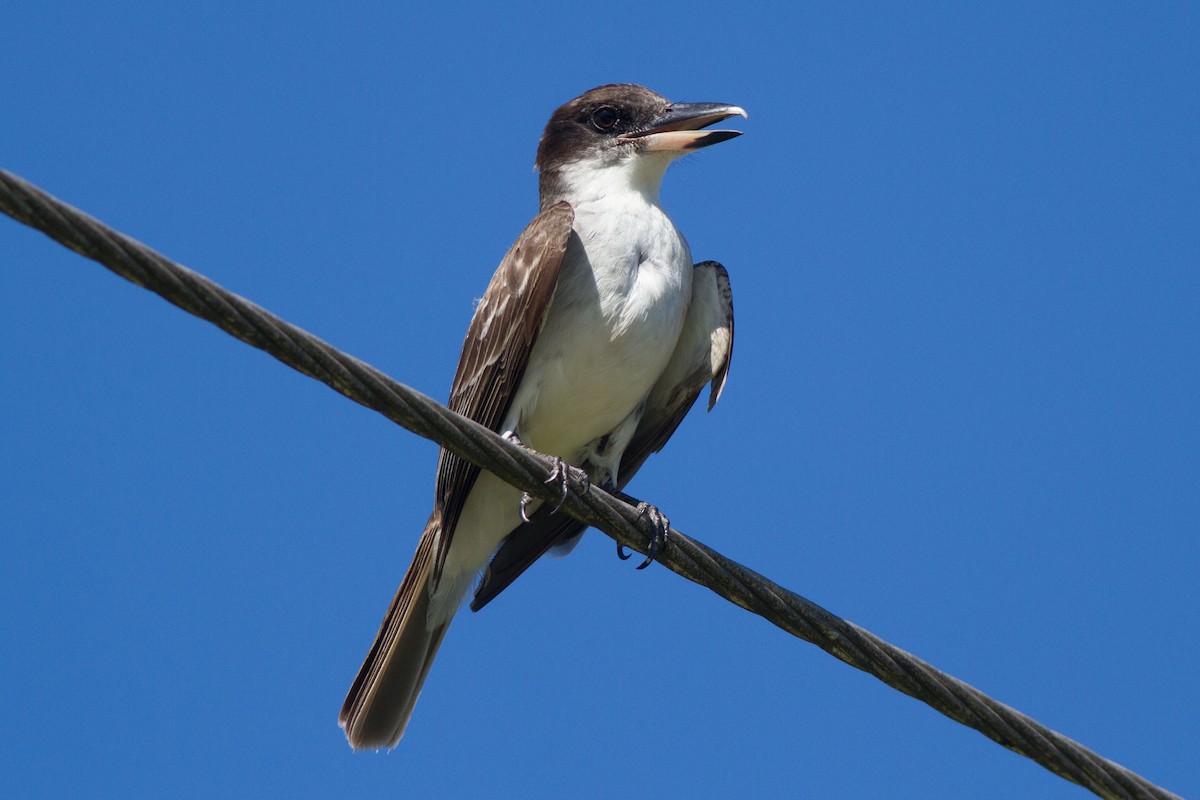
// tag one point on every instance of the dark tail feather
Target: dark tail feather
(382, 697)
(525, 545)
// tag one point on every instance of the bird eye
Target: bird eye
(605, 118)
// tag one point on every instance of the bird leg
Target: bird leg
(561, 474)
(662, 528)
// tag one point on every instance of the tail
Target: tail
(382, 697)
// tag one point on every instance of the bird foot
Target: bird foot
(658, 542)
(562, 474)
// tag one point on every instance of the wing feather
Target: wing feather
(496, 349)
(701, 357)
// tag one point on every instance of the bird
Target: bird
(592, 341)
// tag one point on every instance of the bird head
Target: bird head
(626, 133)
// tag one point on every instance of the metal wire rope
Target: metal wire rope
(528, 471)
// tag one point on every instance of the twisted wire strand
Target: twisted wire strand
(529, 471)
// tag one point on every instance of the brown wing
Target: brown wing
(496, 349)
(701, 357)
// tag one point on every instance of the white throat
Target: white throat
(591, 180)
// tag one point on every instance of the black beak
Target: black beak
(678, 129)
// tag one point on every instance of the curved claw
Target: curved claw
(658, 542)
(561, 474)
(526, 497)
(662, 527)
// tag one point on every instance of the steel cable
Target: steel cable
(529, 471)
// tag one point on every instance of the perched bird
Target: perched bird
(592, 341)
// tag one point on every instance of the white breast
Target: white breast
(613, 323)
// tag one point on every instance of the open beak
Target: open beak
(678, 129)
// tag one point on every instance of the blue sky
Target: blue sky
(962, 412)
